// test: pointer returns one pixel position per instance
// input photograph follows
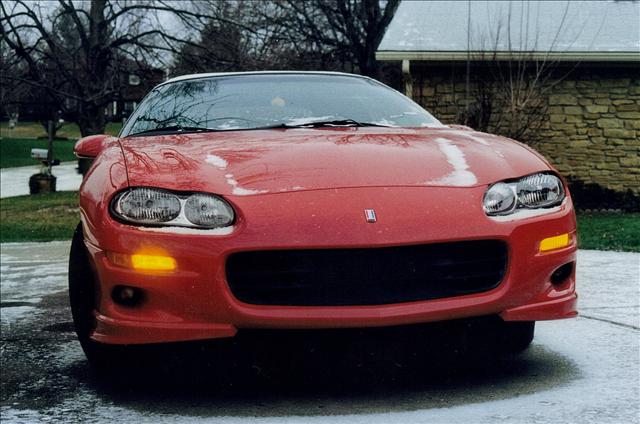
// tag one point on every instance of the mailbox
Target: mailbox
(40, 154)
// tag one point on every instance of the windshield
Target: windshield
(245, 102)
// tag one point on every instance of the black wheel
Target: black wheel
(82, 297)
(517, 335)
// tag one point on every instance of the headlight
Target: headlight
(147, 206)
(531, 192)
(208, 211)
(499, 199)
(539, 190)
(153, 206)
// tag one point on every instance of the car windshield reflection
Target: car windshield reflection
(248, 102)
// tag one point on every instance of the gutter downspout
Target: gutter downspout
(408, 80)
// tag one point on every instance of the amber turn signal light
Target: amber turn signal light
(143, 262)
(153, 262)
(556, 242)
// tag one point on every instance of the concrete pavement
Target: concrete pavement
(15, 181)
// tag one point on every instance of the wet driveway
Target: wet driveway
(580, 370)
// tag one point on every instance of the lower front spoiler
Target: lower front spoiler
(115, 331)
(564, 307)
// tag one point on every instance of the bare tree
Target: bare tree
(237, 38)
(288, 34)
(76, 52)
(511, 86)
(351, 28)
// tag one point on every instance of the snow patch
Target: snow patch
(228, 127)
(384, 122)
(216, 161)
(230, 180)
(484, 142)
(460, 176)
(240, 191)
(476, 139)
(11, 315)
(309, 120)
(294, 188)
(30, 271)
(224, 231)
(525, 213)
(433, 125)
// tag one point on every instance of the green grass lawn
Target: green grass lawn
(42, 217)
(609, 231)
(35, 129)
(17, 151)
(16, 145)
(47, 217)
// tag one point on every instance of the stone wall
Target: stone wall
(591, 127)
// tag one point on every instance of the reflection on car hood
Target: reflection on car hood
(273, 161)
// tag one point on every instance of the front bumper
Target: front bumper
(195, 302)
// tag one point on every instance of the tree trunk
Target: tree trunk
(57, 125)
(368, 63)
(92, 121)
(55, 128)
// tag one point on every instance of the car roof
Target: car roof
(226, 74)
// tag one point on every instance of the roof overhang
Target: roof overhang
(483, 56)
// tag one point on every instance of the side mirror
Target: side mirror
(91, 146)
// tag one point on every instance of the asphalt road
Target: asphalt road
(583, 370)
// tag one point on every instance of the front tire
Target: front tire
(517, 336)
(83, 301)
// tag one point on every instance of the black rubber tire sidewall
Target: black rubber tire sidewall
(517, 335)
(82, 299)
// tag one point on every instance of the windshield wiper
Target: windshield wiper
(175, 129)
(327, 123)
(333, 123)
(179, 129)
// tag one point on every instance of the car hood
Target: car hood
(272, 161)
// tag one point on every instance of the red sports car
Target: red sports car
(307, 200)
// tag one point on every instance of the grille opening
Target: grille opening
(366, 276)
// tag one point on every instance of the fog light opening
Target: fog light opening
(561, 274)
(127, 295)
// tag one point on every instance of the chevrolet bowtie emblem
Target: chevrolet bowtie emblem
(370, 215)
